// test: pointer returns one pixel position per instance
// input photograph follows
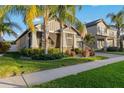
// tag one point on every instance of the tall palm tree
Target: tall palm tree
(118, 23)
(48, 13)
(29, 13)
(33, 11)
(65, 14)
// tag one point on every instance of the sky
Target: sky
(87, 14)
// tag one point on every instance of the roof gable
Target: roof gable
(95, 23)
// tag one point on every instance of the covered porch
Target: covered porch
(105, 41)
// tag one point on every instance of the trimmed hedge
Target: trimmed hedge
(38, 54)
(48, 56)
(4, 47)
(112, 49)
(30, 52)
(53, 50)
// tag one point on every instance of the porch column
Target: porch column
(115, 42)
(34, 43)
(105, 44)
(64, 41)
(75, 44)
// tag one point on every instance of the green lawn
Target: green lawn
(118, 53)
(11, 64)
(110, 76)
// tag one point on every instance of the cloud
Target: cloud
(37, 19)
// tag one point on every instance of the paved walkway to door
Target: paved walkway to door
(48, 75)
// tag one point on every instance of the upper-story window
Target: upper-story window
(101, 30)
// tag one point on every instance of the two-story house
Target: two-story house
(104, 35)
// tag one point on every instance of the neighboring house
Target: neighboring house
(28, 39)
(105, 36)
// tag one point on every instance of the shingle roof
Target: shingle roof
(95, 22)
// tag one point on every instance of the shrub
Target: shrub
(77, 50)
(112, 49)
(48, 56)
(88, 52)
(73, 53)
(68, 52)
(4, 47)
(38, 51)
(92, 53)
(53, 50)
(30, 52)
(38, 54)
(7, 71)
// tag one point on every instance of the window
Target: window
(69, 39)
(79, 44)
(101, 30)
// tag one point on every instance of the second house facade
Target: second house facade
(105, 36)
(71, 37)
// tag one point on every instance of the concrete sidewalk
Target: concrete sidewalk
(48, 75)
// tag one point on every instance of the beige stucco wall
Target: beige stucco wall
(103, 27)
(53, 25)
(112, 34)
(22, 42)
(75, 37)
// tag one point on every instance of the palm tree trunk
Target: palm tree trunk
(83, 46)
(46, 36)
(61, 35)
(46, 33)
(120, 44)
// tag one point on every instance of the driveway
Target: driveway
(107, 54)
(48, 75)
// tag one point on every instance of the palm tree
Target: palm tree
(48, 13)
(33, 11)
(89, 39)
(6, 24)
(29, 13)
(118, 23)
(64, 14)
(82, 31)
(6, 27)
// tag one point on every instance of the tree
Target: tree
(89, 39)
(82, 31)
(48, 13)
(118, 23)
(6, 24)
(65, 14)
(33, 11)
(6, 27)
